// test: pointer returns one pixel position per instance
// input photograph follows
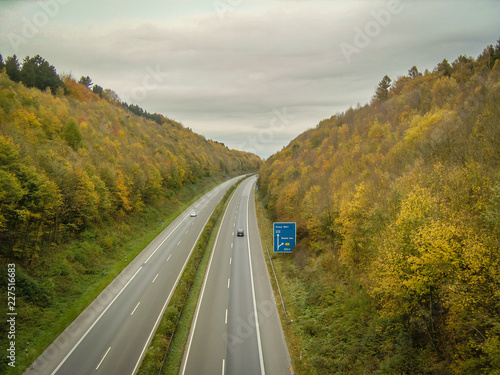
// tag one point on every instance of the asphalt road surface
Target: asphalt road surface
(113, 333)
(236, 329)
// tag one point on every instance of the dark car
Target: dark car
(240, 232)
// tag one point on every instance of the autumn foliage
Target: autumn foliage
(398, 211)
(74, 161)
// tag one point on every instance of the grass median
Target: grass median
(164, 355)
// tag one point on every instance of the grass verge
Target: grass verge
(288, 290)
(164, 355)
(75, 275)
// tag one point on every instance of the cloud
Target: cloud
(226, 73)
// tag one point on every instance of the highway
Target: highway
(236, 329)
(112, 334)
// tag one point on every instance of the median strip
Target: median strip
(164, 355)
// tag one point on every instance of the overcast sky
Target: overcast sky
(253, 74)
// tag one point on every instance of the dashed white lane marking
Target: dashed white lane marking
(105, 354)
(135, 308)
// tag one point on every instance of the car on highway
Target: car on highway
(240, 232)
(193, 214)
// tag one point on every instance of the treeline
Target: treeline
(397, 203)
(134, 108)
(39, 73)
(71, 160)
(34, 72)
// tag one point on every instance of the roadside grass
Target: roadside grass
(290, 289)
(331, 320)
(165, 353)
(79, 270)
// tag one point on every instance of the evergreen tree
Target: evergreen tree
(13, 69)
(414, 73)
(86, 81)
(29, 72)
(96, 89)
(445, 68)
(496, 50)
(382, 92)
(37, 72)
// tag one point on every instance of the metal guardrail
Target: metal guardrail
(277, 283)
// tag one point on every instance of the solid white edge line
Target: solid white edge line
(166, 238)
(257, 327)
(105, 354)
(170, 295)
(187, 209)
(148, 341)
(119, 293)
(93, 324)
(200, 299)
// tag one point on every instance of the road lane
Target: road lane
(237, 288)
(209, 348)
(107, 338)
(276, 356)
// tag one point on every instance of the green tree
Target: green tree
(37, 72)
(72, 134)
(86, 81)
(444, 68)
(382, 92)
(96, 89)
(414, 73)
(496, 50)
(13, 69)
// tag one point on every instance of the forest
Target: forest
(84, 178)
(397, 205)
(74, 160)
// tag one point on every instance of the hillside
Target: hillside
(85, 180)
(73, 161)
(397, 205)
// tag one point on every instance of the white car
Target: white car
(193, 214)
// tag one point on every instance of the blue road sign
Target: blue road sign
(284, 237)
